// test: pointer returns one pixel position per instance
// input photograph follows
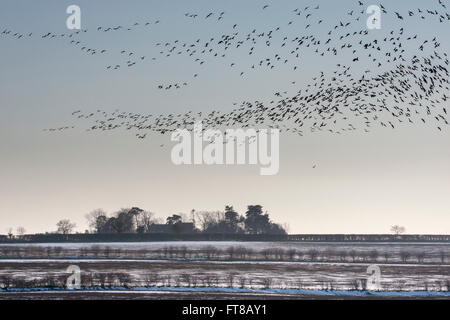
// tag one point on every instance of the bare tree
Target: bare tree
(442, 255)
(241, 252)
(278, 253)
(102, 278)
(242, 282)
(267, 283)
(230, 252)
(168, 280)
(374, 255)
(144, 221)
(93, 219)
(124, 279)
(404, 255)
(206, 219)
(398, 230)
(364, 255)
(107, 251)
(210, 251)
(313, 254)
(89, 279)
(57, 251)
(9, 231)
(230, 279)
(266, 253)
(20, 231)
(186, 278)
(329, 254)
(401, 284)
(292, 253)
(420, 256)
(363, 283)
(183, 252)
(6, 281)
(151, 280)
(342, 255)
(353, 254)
(65, 226)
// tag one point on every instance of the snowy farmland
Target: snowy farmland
(287, 268)
(381, 252)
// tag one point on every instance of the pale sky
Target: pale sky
(362, 182)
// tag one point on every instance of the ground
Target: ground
(190, 270)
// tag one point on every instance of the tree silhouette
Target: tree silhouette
(397, 230)
(255, 221)
(174, 219)
(65, 226)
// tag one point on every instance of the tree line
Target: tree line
(137, 220)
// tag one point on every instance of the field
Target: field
(225, 270)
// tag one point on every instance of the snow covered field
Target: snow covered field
(283, 268)
(196, 245)
(325, 251)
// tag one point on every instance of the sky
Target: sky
(352, 183)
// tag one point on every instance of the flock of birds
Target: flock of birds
(398, 85)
